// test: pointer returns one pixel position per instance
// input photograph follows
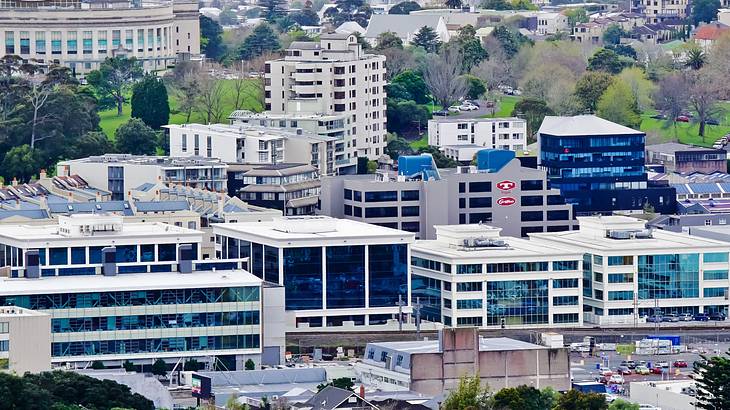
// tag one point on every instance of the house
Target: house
(405, 26)
(707, 34)
(588, 33)
(331, 398)
(350, 27)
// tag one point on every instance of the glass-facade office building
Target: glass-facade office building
(327, 280)
(599, 166)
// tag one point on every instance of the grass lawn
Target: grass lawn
(658, 131)
(420, 143)
(110, 121)
(505, 105)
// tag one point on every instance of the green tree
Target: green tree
(576, 16)
(613, 34)
(469, 394)
(470, 47)
(510, 40)
(404, 7)
(522, 5)
(250, 365)
(114, 78)
(262, 40)
(476, 87)
(21, 163)
(619, 404)
(97, 365)
(305, 17)
(576, 400)
(92, 143)
(414, 85)
(426, 38)
(672, 97)
(523, 398)
(704, 11)
(605, 60)
(129, 366)
(344, 383)
(590, 87)
(496, 5)
(453, 4)
(135, 137)
(712, 382)
(623, 50)
(388, 39)
(272, 9)
(358, 11)
(696, 58)
(397, 146)
(211, 38)
(406, 116)
(159, 368)
(533, 111)
(618, 104)
(150, 103)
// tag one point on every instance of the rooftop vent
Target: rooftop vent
(630, 234)
(485, 243)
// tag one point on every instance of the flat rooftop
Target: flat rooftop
(128, 229)
(244, 114)
(583, 125)
(457, 119)
(127, 282)
(672, 147)
(240, 130)
(492, 344)
(162, 161)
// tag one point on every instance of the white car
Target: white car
(616, 379)
(648, 407)
(454, 108)
(468, 107)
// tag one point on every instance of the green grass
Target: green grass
(505, 106)
(687, 133)
(420, 143)
(110, 121)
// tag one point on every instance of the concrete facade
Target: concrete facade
(25, 337)
(451, 135)
(685, 159)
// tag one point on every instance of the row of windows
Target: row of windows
(565, 283)
(715, 274)
(161, 321)
(715, 257)
(382, 196)
(621, 295)
(565, 265)
(535, 216)
(517, 267)
(565, 300)
(620, 260)
(171, 344)
(469, 304)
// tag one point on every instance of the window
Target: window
(4, 345)
(481, 202)
(24, 42)
(621, 295)
(371, 354)
(462, 187)
(468, 269)
(480, 187)
(469, 304)
(469, 287)
(40, 42)
(565, 318)
(598, 259)
(348, 194)
(531, 185)
(531, 216)
(620, 278)
(558, 215)
(409, 211)
(381, 196)
(469, 321)
(382, 212)
(399, 360)
(565, 265)
(565, 300)
(425, 263)
(565, 283)
(58, 256)
(620, 260)
(714, 292)
(517, 267)
(715, 274)
(531, 200)
(480, 217)
(348, 210)
(410, 195)
(78, 256)
(383, 356)
(4, 327)
(10, 42)
(715, 257)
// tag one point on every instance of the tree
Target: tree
(211, 40)
(20, 162)
(441, 160)
(305, 17)
(358, 11)
(398, 60)
(641, 86)
(149, 101)
(470, 47)
(495, 5)
(210, 98)
(405, 7)
(344, 383)
(510, 40)
(406, 116)
(442, 74)
(469, 394)
(498, 69)
(619, 404)
(228, 17)
(523, 398)
(590, 87)
(618, 104)
(97, 365)
(475, 86)
(272, 9)
(712, 381)
(159, 368)
(672, 97)
(397, 146)
(92, 143)
(262, 40)
(187, 91)
(414, 85)
(426, 38)
(696, 58)
(576, 16)
(705, 92)
(623, 50)
(613, 34)
(135, 138)
(129, 366)
(605, 60)
(533, 111)
(388, 39)
(114, 77)
(250, 365)
(704, 11)
(576, 400)
(453, 4)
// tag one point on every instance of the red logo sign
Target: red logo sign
(506, 201)
(506, 185)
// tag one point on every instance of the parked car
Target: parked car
(689, 391)
(642, 370)
(472, 102)
(662, 364)
(712, 121)
(717, 316)
(441, 113)
(670, 317)
(654, 318)
(659, 116)
(685, 317)
(624, 370)
(682, 118)
(679, 363)
(454, 108)
(616, 379)
(468, 107)
(701, 317)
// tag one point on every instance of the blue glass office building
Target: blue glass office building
(599, 166)
(333, 270)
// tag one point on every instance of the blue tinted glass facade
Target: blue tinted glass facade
(519, 302)
(158, 321)
(173, 344)
(257, 260)
(669, 276)
(428, 293)
(388, 266)
(303, 278)
(346, 276)
(271, 264)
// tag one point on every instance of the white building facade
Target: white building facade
(461, 138)
(24, 339)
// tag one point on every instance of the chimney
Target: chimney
(43, 174)
(14, 182)
(362, 391)
(98, 196)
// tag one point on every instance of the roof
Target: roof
(127, 282)
(26, 213)
(161, 206)
(402, 25)
(71, 208)
(162, 161)
(711, 31)
(580, 125)
(459, 119)
(673, 147)
(279, 170)
(349, 27)
(128, 230)
(492, 344)
(304, 45)
(334, 36)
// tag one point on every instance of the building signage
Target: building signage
(506, 201)
(200, 386)
(506, 185)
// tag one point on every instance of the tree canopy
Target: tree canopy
(114, 78)
(712, 382)
(426, 38)
(211, 41)
(150, 103)
(404, 7)
(136, 138)
(262, 40)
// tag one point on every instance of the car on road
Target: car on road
(642, 370)
(717, 316)
(654, 319)
(659, 116)
(682, 118)
(472, 102)
(670, 317)
(440, 113)
(616, 379)
(685, 317)
(701, 317)
(623, 370)
(679, 363)
(454, 108)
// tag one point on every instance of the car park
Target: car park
(679, 363)
(616, 379)
(468, 107)
(657, 370)
(628, 363)
(624, 370)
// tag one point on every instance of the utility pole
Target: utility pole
(417, 310)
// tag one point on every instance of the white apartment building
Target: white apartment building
(253, 144)
(321, 124)
(24, 339)
(337, 274)
(630, 271)
(333, 77)
(471, 276)
(461, 138)
(121, 173)
(657, 11)
(154, 32)
(551, 23)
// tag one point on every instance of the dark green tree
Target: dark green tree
(150, 103)
(272, 10)
(704, 11)
(618, 104)
(476, 87)
(262, 40)
(97, 365)
(713, 381)
(397, 146)
(344, 383)
(388, 39)
(605, 60)
(114, 78)
(358, 11)
(453, 4)
(159, 368)
(441, 160)
(510, 40)
(613, 34)
(211, 38)
(129, 366)
(533, 111)
(406, 116)
(623, 50)
(362, 169)
(21, 163)
(469, 394)
(426, 38)
(398, 92)
(404, 7)
(413, 83)
(305, 17)
(696, 58)
(576, 400)
(470, 48)
(136, 138)
(496, 5)
(590, 87)
(523, 398)
(619, 404)
(249, 365)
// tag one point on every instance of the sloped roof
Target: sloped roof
(329, 398)
(162, 206)
(580, 125)
(349, 27)
(711, 31)
(401, 24)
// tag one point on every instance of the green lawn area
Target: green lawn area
(110, 121)
(420, 143)
(658, 130)
(505, 105)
